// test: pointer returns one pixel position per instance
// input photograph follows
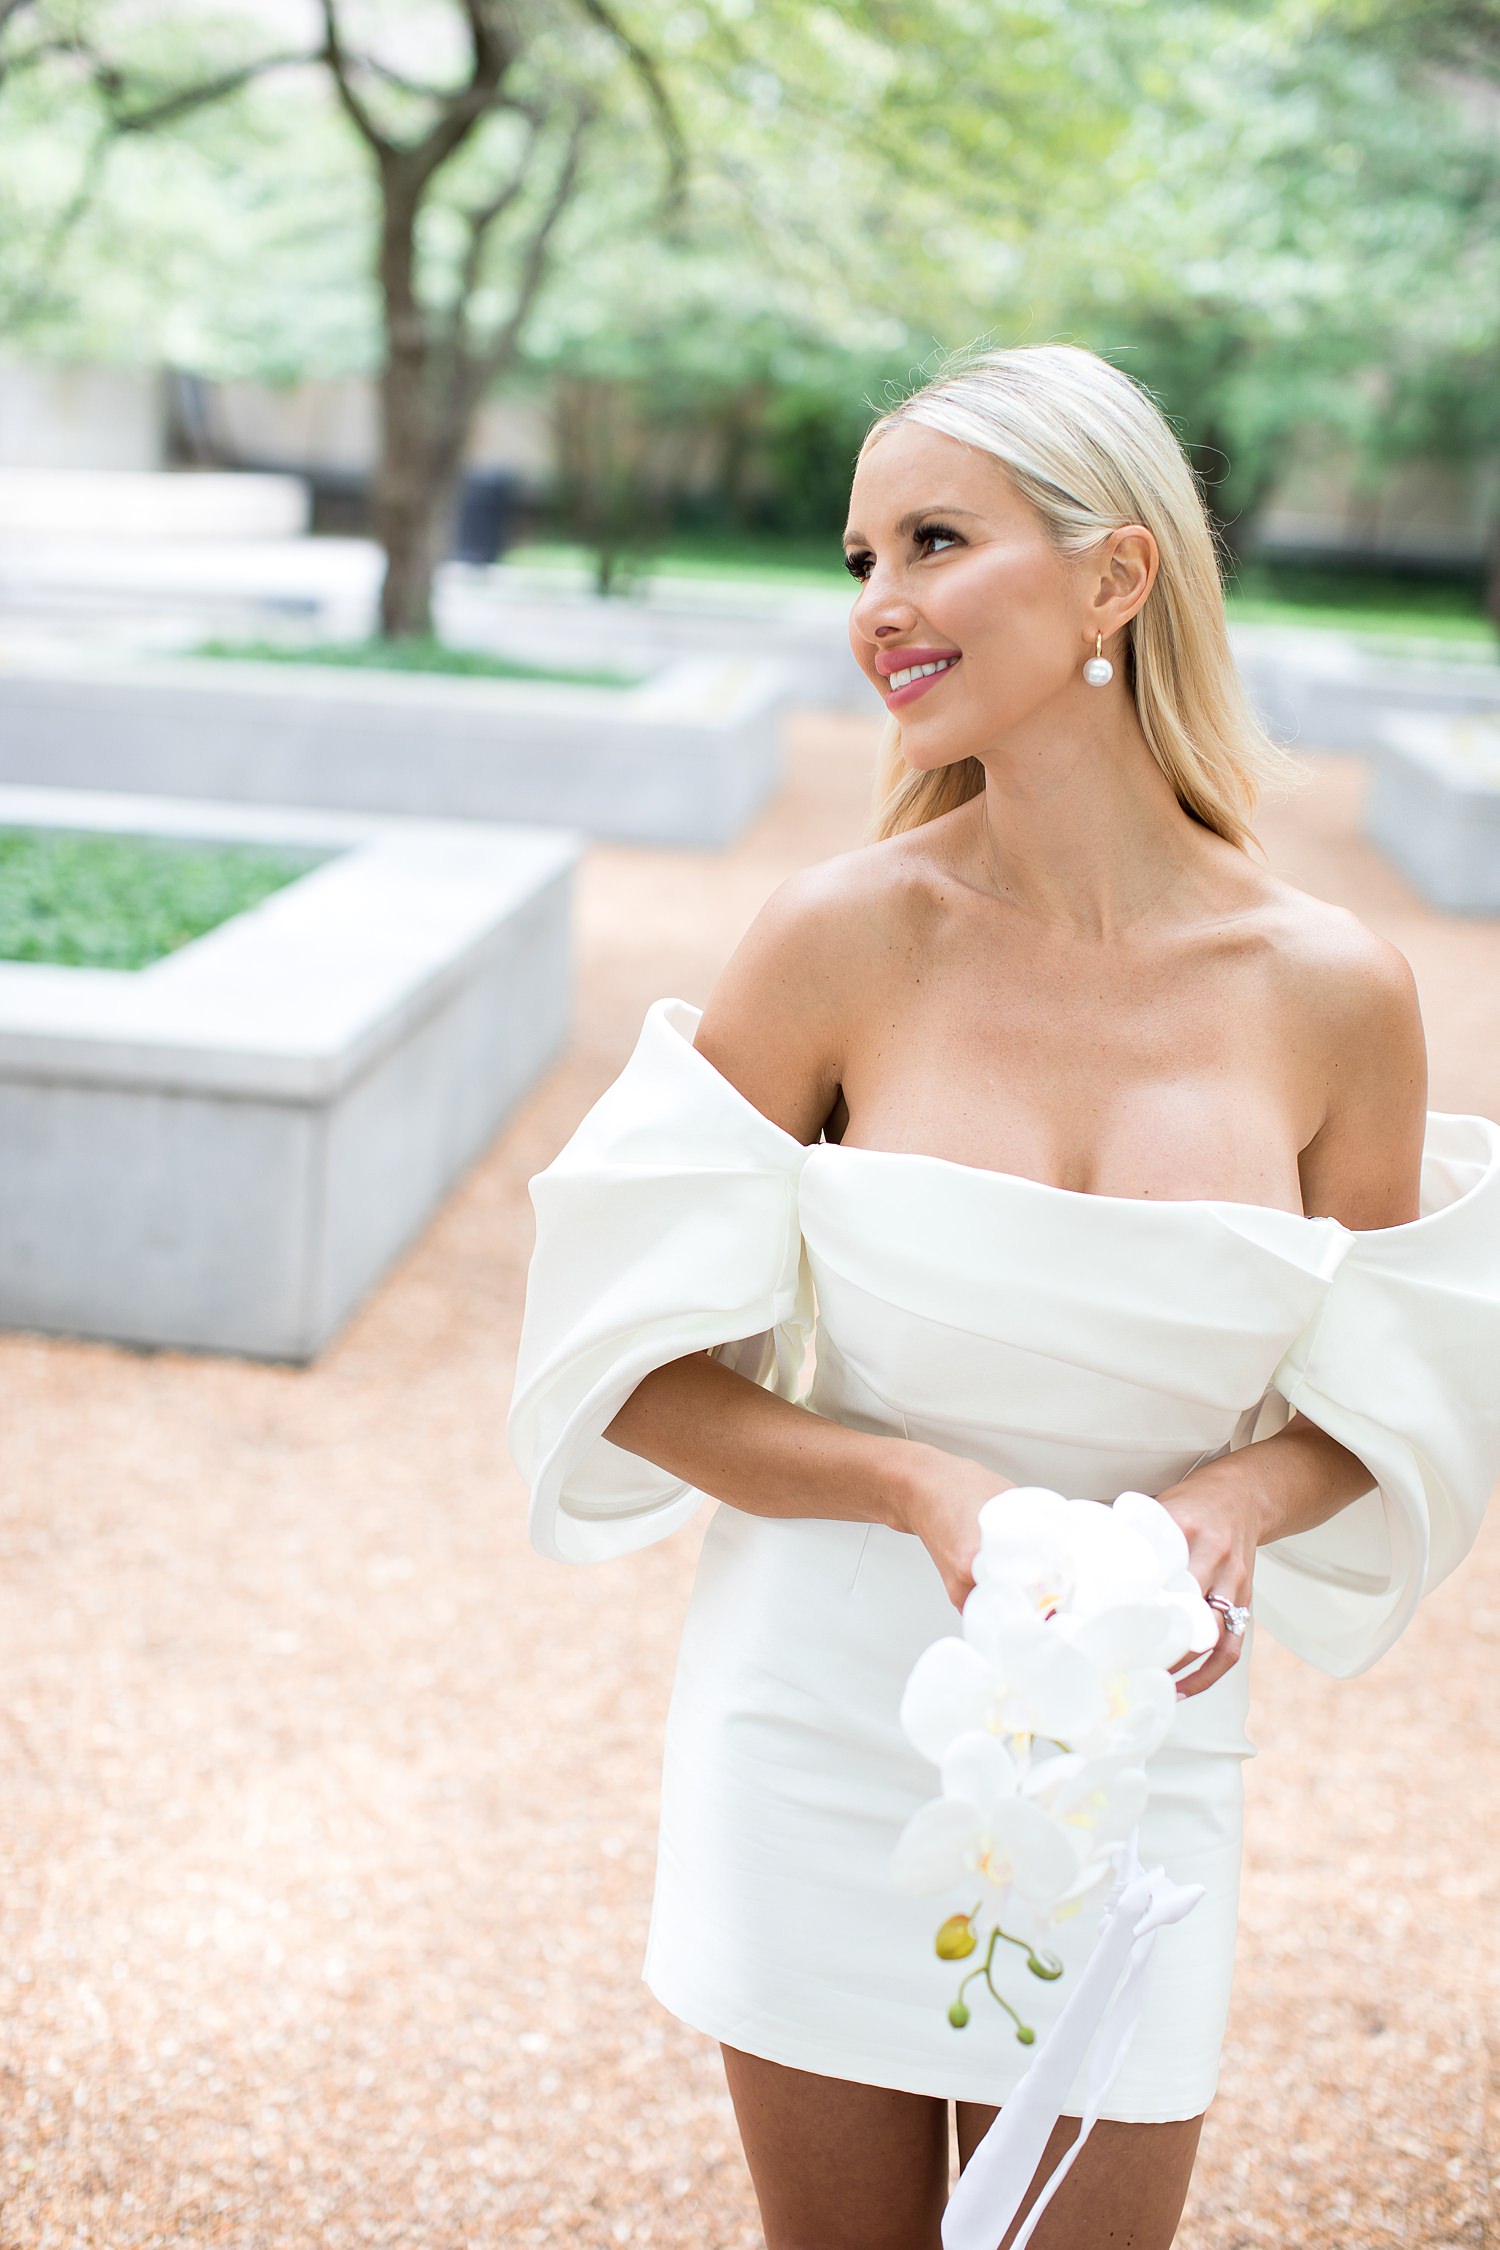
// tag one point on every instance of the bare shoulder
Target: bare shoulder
(777, 1022)
(1349, 983)
(1353, 1026)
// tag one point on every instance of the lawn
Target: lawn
(413, 655)
(86, 901)
(1374, 605)
(757, 557)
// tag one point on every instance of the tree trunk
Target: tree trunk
(403, 514)
(403, 510)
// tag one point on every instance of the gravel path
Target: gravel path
(326, 1809)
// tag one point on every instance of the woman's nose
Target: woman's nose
(881, 610)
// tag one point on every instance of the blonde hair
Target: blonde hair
(1091, 451)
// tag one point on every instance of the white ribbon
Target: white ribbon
(1103, 2008)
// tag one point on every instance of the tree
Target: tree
(492, 148)
(441, 357)
(1277, 212)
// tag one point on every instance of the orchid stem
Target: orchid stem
(1043, 1965)
(1024, 2031)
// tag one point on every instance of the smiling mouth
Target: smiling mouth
(903, 679)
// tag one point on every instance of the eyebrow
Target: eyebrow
(910, 522)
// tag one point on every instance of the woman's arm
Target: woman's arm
(726, 1436)
(775, 1028)
(1361, 1167)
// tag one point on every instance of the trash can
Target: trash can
(485, 516)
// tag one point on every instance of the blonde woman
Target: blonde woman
(1086, 1153)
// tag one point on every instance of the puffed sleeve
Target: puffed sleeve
(668, 1225)
(1401, 1365)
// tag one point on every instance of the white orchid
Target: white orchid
(989, 1823)
(1009, 1675)
(1040, 1715)
(1077, 1562)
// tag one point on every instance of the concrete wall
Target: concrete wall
(688, 758)
(1434, 809)
(1432, 512)
(57, 417)
(1325, 691)
(803, 632)
(332, 426)
(224, 1151)
(131, 504)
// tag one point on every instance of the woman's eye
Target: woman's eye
(857, 563)
(934, 537)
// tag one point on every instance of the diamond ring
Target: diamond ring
(1236, 1615)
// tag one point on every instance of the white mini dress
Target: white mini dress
(1090, 1343)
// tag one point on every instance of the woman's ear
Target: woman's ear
(1128, 563)
(1134, 560)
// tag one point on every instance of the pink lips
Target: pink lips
(901, 660)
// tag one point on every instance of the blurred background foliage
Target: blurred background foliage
(1279, 214)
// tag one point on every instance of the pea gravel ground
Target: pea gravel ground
(326, 1810)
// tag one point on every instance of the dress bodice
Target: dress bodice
(1088, 1342)
(1080, 1342)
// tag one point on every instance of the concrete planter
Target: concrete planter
(224, 1151)
(171, 593)
(1434, 809)
(538, 616)
(1324, 691)
(687, 758)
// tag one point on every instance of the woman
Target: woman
(1088, 1154)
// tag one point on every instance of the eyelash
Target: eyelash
(858, 564)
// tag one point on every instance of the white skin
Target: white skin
(1070, 979)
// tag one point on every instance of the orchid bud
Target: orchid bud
(955, 1941)
(958, 2015)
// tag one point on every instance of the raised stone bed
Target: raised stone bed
(191, 504)
(225, 1150)
(1434, 808)
(1321, 690)
(689, 757)
(538, 615)
(170, 593)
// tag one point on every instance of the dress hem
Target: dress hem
(826, 2060)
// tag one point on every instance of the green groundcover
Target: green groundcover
(411, 656)
(85, 901)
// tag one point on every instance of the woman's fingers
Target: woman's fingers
(1220, 1659)
(1215, 1560)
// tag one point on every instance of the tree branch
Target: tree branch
(647, 71)
(460, 108)
(421, 88)
(485, 366)
(492, 55)
(480, 222)
(354, 109)
(31, 298)
(186, 99)
(43, 45)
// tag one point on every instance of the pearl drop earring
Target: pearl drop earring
(1098, 671)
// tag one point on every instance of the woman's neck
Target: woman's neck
(1079, 827)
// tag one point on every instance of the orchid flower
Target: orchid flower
(1039, 1716)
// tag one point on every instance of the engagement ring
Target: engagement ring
(1236, 1615)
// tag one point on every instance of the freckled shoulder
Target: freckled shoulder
(778, 1020)
(1353, 1023)
(1347, 984)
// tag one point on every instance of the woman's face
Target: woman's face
(958, 571)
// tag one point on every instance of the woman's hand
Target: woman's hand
(937, 1497)
(1220, 1513)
